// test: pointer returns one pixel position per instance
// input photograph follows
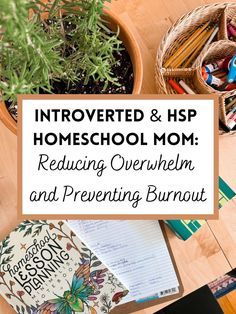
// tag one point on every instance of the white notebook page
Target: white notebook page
(135, 251)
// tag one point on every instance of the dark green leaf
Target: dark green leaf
(85, 249)
(9, 250)
(96, 264)
(85, 255)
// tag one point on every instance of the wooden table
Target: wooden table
(211, 252)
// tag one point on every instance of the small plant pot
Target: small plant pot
(130, 44)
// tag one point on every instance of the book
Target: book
(137, 253)
(225, 193)
(184, 229)
(46, 269)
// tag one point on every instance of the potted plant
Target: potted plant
(61, 46)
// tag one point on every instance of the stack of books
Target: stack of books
(184, 229)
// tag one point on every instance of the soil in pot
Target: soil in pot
(12, 108)
(123, 71)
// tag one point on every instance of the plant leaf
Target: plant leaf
(96, 264)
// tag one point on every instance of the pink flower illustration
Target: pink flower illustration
(68, 246)
(20, 293)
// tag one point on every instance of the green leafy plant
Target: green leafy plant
(59, 40)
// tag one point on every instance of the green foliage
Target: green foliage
(72, 46)
(5, 252)
(28, 57)
(89, 256)
(31, 227)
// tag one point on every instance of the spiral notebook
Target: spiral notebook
(138, 253)
(46, 269)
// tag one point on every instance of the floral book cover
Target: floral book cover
(46, 269)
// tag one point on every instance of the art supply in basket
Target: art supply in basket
(200, 47)
(211, 79)
(227, 87)
(212, 67)
(232, 70)
(187, 89)
(221, 74)
(176, 87)
(231, 122)
(230, 108)
(233, 22)
(186, 54)
(231, 112)
(218, 65)
(231, 31)
(230, 103)
(181, 87)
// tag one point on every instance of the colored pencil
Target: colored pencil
(199, 47)
(189, 50)
(182, 48)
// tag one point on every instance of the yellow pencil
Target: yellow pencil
(189, 50)
(198, 49)
(186, 44)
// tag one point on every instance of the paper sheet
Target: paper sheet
(136, 252)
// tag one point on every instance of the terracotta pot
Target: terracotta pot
(133, 49)
(7, 119)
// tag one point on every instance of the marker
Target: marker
(231, 30)
(231, 113)
(232, 71)
(227, 87)
(222, 64)
(211, 79)
(176, 87)
(212, 67)
(231, 122)
(230, 103)
(187, 89)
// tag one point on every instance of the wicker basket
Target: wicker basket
(177, 35)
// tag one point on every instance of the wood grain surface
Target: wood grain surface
(211, 252)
